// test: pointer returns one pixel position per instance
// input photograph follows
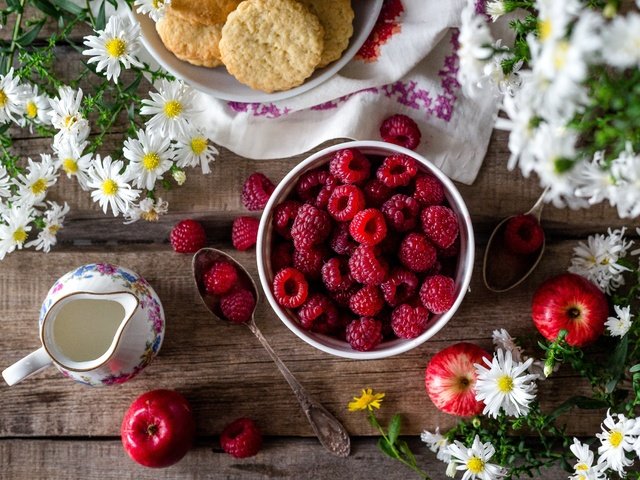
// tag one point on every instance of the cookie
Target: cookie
(271, 45)
(191, 42)
(336, 16)
(207, 12)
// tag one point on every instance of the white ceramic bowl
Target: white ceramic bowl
(335, 346)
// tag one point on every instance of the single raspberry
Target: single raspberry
(237, 306)
(220, 278)
(187, 236)
(345, 202)
(397, 170)
(311, 226)
(367, 301)
(364, 334)
(312, 182)
(368, 227)
(281, 256)
(399, 287)
(349, 166)
(438, 293)
(283, 216)
(401, 212)
(376, 193)
(256, 191)
(440, 224)
(341, 241)
(416, 252)
(244, 232)
(310, 260)
(523, 234)
(428, 190)
(336, 275)
(322, 200)
(241, 438)
(401, 130)
(290, 288)
(367, 266)
(408, 321)
(318, 310)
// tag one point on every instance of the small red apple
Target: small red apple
(572, 303)
(450, 379)
(158, 428)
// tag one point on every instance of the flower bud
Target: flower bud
(179, 176)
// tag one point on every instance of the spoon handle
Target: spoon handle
(331, 433)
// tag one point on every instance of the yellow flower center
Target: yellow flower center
(19, 236)
(70, 166)
(151, 216)
(475, 465)
(583, 467)
(69, 120)
(560, 58)
(505, 384)
(157, 4)
(31, 109)
(39, 186)
(198, 145)
(150, 161)
(172, 108)
(545, 27)
(115, 47)
(109, 187)
(615, 438)
(3, 98)
(53, 229)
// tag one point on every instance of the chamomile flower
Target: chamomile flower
(505, 385)
(584, 469)
(626, 194)
(618, 436)
(593, 181)
(115, 45)
(73, 162)
(149, 157)
(554, 18)
(66, 116)
(367, 401)
(495, 9)
(53, 219)
(619, 325)
(194, 149)
(148, 209)
(154, 8)
(622, 38)
(171, 107)
(5, 183)
(502, 339)
(474, 461)
(475, 51)
(32, 187)
(10, 98)
(36, 107)
(15, 230)
(438, 444)
(110, 187)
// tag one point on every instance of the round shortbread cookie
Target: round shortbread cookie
(271, 45)
(208, 12)
(191, 42)
(336, 16)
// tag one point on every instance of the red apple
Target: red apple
(572, 303)
(158, 428)
(450, 379)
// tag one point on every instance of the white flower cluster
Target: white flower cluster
(541, 101)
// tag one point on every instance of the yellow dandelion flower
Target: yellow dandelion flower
(368, 400)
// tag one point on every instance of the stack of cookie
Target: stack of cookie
(269, 45)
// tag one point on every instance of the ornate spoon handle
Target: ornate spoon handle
(331, 433)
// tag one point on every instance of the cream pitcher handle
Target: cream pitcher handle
(29, 365)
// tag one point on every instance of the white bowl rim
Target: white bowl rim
(402, 345)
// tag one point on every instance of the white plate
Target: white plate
(217, 82)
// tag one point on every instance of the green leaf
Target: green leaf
(394, 428)
(69, 6)
(47, 8)
(635, 368)
(28, 37)
(406, 450)
(385, 448)
(101, 18)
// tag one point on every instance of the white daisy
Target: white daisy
(438, 444)
(5, 183)
(66, 116)
(32, 187)
(116, 44)
(194, 149)
(474, 461)
(619, 325)
(597, 260)
(475, 51)
(53, 219)
(622, 37)
(594, 181)
(73, 162)
(149, 157)
(15, 230)
(617, 438)
(520, 125)
(626, 171)
(36, 107)
(584, 469)
(554, 18)
(110, 187)
(505, 385)
(154, 8)
(502, 339)
(147, 209)
(171, 107)
(10, 98)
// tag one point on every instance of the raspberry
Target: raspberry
(401, 212)
(341, 242)
(336, 275)
(367, 266)
(311, 226)
(401, 130)
(309, 261)
(318, 310)
(342, 297)
(290, 288)
(345, 202)
(416, 252)
(237, 306)
(281, 256)
(349, 166)
(220, 278)
(367, 301)
(187, 236)
(244, 232)
(438, 293)
(312, 182)
(523, 234)
(364, 334)
(440, 225)
(368, 227)
(397, 170)
(376, 193)
(256, 191)
(409, 322)
(283, 216)
(428, 190)
(399, 287)
(241, 438)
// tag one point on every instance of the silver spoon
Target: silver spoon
(331, 433)
(503, 270)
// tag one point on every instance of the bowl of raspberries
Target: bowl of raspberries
(365, 250)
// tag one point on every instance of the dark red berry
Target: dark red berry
(237, 306)
(187, 236)
(367, 266)
(318, 310)
(256, 191)
(244, 232)
(312, 182)
(349, 166)
(336, 275)
(345, 202)
(408, 321)
(440, 224)
(364, 334)
(401, 130)
(281, 256)
(416, 252)
(290, 288)
(368, 227)
(428, 190)
(438, 293)
(397, 170)
(401, 212)
(399, 287)
(310, 260)
(283, 216)
(367, 301)
(376, 193)
(341, 241)
(523, 234)
(311, 226)
(220, 278)
(342, 297)
(241, 438)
